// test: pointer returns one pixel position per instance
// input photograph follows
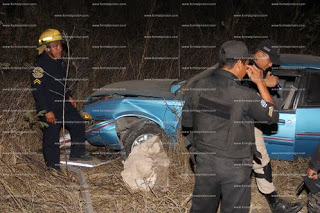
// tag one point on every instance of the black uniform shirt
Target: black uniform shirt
(47, 81)
(222, 114)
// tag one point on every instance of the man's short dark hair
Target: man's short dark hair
(229, 62)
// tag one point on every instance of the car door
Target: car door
(308, 116)
(280, 138)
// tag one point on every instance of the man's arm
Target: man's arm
(187, 116)
(73, 102)
(262, 108)
(263, 90)
(270, 80)
(38, 84)
(68, 95)
(256, 77)
(187, 113)
(314, 164)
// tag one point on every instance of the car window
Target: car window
(312, 89)
(285, 96)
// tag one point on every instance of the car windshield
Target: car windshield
(176, 86)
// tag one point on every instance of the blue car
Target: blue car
(122, 115)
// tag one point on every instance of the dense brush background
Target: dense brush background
(25, 184)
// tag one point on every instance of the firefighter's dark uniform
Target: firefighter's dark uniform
(47, 79)
(221, 114)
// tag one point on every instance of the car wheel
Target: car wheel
(139, 134)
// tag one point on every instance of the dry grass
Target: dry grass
(110, 194)
(27, 186)
(25, 183)
(286, 177)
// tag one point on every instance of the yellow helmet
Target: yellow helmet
(46, 37)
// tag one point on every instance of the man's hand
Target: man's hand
(73, 102)
(50, 117)
(271, 81)
(255, 74)
(312, 174)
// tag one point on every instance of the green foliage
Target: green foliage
(34, 119)
(41, 113)
(43, 124)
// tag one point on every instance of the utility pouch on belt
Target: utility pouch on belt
(193, 155)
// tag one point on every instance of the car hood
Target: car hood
(150, 88)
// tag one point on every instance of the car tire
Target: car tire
(139, 133)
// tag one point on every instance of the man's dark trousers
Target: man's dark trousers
(216, 176)
(51, 147)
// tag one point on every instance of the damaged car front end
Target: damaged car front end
(122, 115)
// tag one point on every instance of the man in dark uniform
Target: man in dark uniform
(312, 172)
(314, 164)
(220, 113)
(267, 54)
(48, 79)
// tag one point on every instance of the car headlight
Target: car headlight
(85, 115)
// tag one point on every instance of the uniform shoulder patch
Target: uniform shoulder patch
(271, 111)
(263, 103)
(37, 81)
(37, 72)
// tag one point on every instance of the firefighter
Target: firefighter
(48, 80)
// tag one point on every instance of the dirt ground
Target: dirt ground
(109, 193)
(27, 186)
